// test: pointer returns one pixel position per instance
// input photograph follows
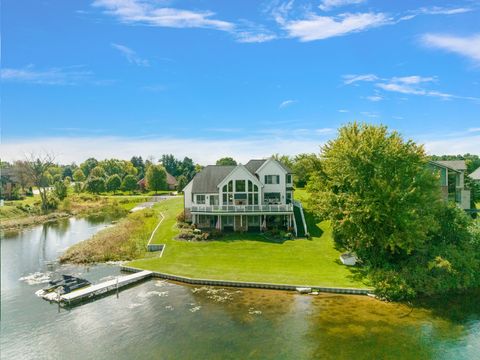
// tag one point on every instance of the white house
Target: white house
(254, 196)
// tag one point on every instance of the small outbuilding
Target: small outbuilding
(348, 259)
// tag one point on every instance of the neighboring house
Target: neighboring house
(452, 181)
(254, 196)
(475, 176)
(171, 182)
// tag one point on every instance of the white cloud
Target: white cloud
(343, 111)
(466, 46)
(203, 151)
(437, 10)
(152, 13)
(327, 5)
(286, 103)
(474, 130)
(412, 85)
(316, 27)
(251, 37)
(206, 151)
(51, 76)
(350, 79)
(453, 145)
(414, 79)
(130, 55)
(375, 98)
(408, 89)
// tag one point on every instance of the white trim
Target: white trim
(276, 162)
(227, 178)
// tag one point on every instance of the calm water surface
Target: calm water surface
(161, 320)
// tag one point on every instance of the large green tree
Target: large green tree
(377, 191)
(129, 183)
(226, 161)
(156, 178)
(113, 183)
(95, 185)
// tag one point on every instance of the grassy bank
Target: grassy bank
(18, 214)
(251, 257)
(126, 240)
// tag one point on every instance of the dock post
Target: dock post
(117, 287)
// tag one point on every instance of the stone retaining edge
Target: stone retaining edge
(242, 284)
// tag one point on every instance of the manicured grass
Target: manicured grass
(251, 257)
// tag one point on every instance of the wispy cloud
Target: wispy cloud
(316, 27)
(154, 14)
(410, 85)
(327, 5)
(130, 55)
(73, 75)
(374, 98)
(343, 111)
(474, 130)
(438, 10)
(465, 46)
(350, 79)
(306, 25)
(286, 103)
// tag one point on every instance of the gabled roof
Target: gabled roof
(453, 164)
(171, 179)
(254, 165)
(442, 165)
(475, 175)
(207, 180)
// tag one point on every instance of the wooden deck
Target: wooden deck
(103, 288)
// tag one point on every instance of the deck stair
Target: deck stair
(299, 219)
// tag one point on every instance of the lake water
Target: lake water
(162, 320)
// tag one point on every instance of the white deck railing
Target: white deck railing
(242, 208)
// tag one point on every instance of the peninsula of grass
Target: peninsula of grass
(251, 257)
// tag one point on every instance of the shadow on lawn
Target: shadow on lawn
(232, 237)
(312, 224)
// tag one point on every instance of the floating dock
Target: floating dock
(92, 291)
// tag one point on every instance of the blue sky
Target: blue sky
(115, 78)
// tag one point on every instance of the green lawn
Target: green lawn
(249, 257)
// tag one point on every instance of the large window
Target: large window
(288, 178)
(200, 199)
(272, 179)
(239, 185)
(246, 193)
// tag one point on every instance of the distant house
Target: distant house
(452, 181)
(171, 182)
(250, 197)
(475, 176)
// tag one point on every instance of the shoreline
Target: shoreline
(245, 284)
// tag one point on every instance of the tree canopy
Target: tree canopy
(226, 161)
(156, 178)
(377, 191)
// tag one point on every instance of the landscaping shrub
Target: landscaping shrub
(181, 217)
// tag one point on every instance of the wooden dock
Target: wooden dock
(92, 291)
